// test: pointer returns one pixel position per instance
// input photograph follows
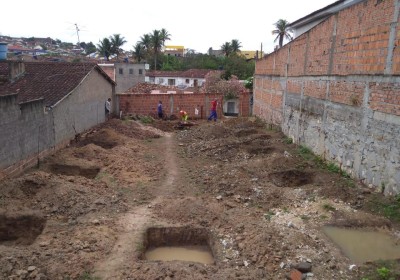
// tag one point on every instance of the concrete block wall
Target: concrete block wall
(26, 133)
(336, 89)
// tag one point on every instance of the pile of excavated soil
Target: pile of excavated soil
(84, 211)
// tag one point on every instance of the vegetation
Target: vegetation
(390, 208)
(230, 88)
(282, 30)
(150, 46)
(384, 270)
(111, 45)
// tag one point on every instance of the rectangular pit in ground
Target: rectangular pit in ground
(178, 243)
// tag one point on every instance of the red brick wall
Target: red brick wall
(145, 104)
(354, 42)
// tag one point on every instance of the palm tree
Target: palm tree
(104, 47)
(282, 31)
(145, 40)
(138, 51)
(116, 43)
(165, 36)
(235, 45)
(156, 44)
(226, 48)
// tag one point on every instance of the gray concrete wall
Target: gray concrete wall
(83, 108)
(26, 130)
(128, 78)
(363, 142)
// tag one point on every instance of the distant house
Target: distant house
(178, 51)
(126, 75)
(43, 105)
(181, 79)
(307, 22)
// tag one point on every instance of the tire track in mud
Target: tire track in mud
(136, 220)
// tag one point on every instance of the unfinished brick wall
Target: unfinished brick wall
(336, 88)
(145, 104)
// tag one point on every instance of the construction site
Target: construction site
(260, 206)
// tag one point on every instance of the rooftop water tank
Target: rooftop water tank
(3, 51)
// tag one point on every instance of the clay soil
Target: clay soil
(262, 201)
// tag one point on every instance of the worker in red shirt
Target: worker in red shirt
(213, 114)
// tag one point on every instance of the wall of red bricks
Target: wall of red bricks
(146, 104)
(354, 42)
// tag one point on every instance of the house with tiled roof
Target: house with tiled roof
(44, 105)
(180, 79)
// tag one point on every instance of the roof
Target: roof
(51, 81)
(324, 12)
(191, 73)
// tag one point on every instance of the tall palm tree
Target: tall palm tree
(282, 31)
(156, 44)
(165, 36)
(235, 45)
(138, 51)
(116, 43)
(145, 41)
(104, 47)
(226, 48)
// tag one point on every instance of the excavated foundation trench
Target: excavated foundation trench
(20, 229)
(178, 244)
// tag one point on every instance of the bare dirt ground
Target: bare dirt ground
(84, 212)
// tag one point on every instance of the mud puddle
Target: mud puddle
(199, 254)
(362, 246)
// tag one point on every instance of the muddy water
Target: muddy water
(361, 246)
(200, 254)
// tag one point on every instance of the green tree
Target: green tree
(145, 41)
(139, 51)
(226, 48)
(235, 45)
(156, 44)
(117, 41)
(165, 36)
(282, 31)
(104, 48)
(90, 48)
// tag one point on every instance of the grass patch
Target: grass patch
(382, 270)
(146, 119)
(288, 140)
(88, 276)
(269, 215)
(389, 207)
(305, 217)
(328, 207)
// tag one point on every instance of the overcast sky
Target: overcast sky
(197, 25)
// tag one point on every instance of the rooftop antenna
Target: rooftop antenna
(77, 32)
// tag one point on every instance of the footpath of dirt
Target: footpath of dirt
(84, 212)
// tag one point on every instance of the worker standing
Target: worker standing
(184, 115)
(213, 114)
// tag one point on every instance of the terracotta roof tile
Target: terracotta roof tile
(191, 73)
(49, 80)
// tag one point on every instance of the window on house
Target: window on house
(160, 80)
(171, 82)
(121, 71)
(131, 71)
(140, 71)
(187, 81)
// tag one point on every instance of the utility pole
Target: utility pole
(77, 33)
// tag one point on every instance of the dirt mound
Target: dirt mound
(105, 138)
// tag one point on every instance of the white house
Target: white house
(180, 79)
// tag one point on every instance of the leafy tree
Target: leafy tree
(282, 31)
(235, 46)
(226, 48)
(90, 48)
(117, 41)
(104, 48)
(230, 88)
(145, 41)
(165, 36)
(238, 66)
(139, 51)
